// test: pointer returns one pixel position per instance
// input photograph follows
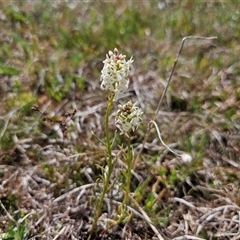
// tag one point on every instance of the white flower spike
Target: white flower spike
(115, 72)
(128, 117)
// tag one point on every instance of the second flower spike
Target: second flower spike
(128, 117)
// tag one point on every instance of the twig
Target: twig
(174, 66)
(213, 213)
(146, 218)
(8, 214)
(73, 191)
(188, 237)
(169, 80)
(160, 138)
(181, 200)
(61, 232)
(221, 208)
(137, 176)
(128, 207)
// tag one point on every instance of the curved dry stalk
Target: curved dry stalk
(160, 138)
(174, 66)
(169, 80)
(183, 201)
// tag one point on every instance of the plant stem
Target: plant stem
(129, 168)
(167, 85)
(108, 141)
(107, 174)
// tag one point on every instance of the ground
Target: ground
(52, 119)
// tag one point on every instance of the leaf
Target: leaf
(5, 70)
(99, 139)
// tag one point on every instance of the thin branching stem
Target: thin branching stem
(173, 69)
(169, 80)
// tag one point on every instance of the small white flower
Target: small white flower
(114, 77)
(128, 117)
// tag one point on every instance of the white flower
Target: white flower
(128, 117)
(115, 72)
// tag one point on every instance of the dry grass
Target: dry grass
(51, 55)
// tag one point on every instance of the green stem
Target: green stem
(108, 141)
(129, 168)
(107, 175)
